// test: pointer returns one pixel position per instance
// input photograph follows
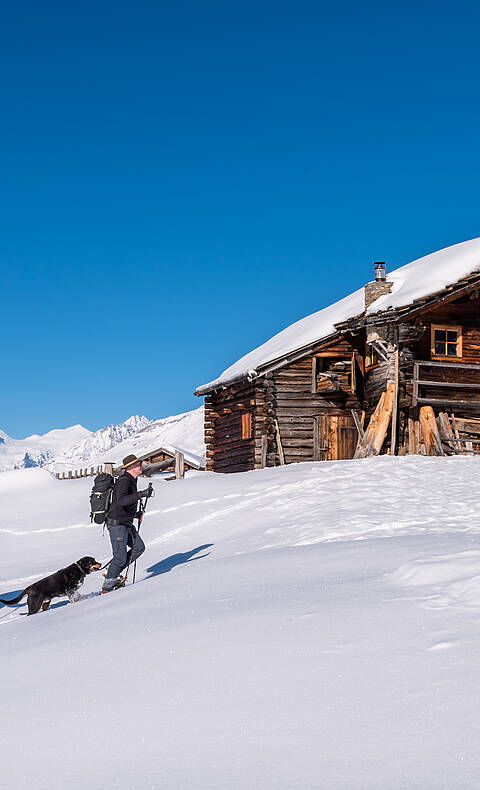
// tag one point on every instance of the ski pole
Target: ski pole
(143, 507)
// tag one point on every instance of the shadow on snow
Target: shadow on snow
(166, 565)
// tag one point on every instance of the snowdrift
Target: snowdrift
(301, 627)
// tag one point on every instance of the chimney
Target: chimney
(379, 286)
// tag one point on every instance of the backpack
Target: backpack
(101, 497)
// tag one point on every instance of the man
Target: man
(120, 523)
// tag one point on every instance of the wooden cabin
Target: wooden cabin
(377, 375)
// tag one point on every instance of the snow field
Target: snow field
(301, 627)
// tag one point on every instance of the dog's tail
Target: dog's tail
(12, 601)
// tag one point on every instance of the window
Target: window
(246, 426)
(371, 356)
(446, 341)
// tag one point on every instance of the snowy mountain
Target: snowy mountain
(96, 444)
(305, 627)
(61, 450)
(136, 435)
(37, 450)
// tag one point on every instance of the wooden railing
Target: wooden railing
(439, 384)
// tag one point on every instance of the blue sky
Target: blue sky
(180, 181)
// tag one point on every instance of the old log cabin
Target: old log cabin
(392, 368)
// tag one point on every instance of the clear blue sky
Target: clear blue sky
(181, 181)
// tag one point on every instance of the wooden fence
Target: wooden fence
(175, 463)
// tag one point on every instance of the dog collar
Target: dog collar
(79, 566)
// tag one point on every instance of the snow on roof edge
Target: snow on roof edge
(421, 277)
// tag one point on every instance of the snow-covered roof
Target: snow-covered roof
(415, 280)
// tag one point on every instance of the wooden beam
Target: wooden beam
(393, 443)
(316, 450)
(279, 444)
(374, 436)
(431, 436)
(472, 404)
(179, 465)
(358, 422)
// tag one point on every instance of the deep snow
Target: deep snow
(312, 626)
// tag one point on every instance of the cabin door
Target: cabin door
(335, 437)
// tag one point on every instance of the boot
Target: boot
(115, 584)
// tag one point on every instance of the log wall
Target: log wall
(288, 412)
(227, 451)
(292, 415)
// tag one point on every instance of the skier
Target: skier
(120, 523)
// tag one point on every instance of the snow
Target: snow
(417, 279)
(98, 443)
(184, 432)
(308, 626)
(36, 450)
(430, 274)
(76, 447)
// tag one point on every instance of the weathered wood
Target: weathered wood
(466, 404)
(179, 465)
(263, 456)
(440, 383)
(412, 444)
(431, 436)
(316, 445)
(279, 444)
(358, 422)
(374, 437)
(393, 441)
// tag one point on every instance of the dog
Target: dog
(66, 581)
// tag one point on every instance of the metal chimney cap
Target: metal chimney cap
(380, 270)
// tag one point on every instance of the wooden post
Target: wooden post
(70, 475)
(416, 369)
(358, 423)
(264, 451)
(92, 471)
(179, 465)
(431, 436)
(109, 468)
(279, 444)
(393, 443)
(316, 444)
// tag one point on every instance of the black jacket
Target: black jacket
(124, 500)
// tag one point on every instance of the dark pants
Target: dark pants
(122, 536)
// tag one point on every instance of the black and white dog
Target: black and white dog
(66, 581)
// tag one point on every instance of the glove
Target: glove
(146, 493)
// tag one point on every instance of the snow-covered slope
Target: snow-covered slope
(37, 450)
(419, 278)
(309, 626)
(137, 435)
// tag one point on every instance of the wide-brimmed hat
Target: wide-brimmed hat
(131, 460)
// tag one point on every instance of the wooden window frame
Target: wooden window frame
(344, 357)
(446, 328)
(370, 352)
(247, 425)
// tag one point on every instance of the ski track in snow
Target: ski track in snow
(301, 627)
